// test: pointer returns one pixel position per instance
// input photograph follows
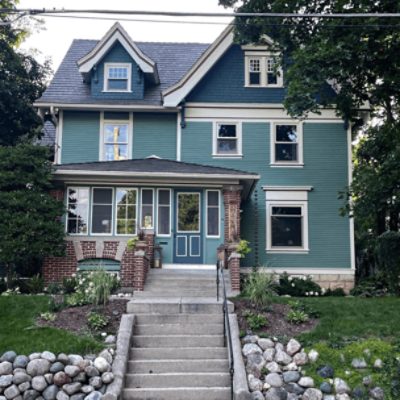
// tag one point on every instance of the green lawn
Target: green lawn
(19, 332)
(343, 318)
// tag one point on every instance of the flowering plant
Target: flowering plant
(298, 286)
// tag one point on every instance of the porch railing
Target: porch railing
(227, 325)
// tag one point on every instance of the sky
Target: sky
(53, 41)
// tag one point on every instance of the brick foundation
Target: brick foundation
(234, 269)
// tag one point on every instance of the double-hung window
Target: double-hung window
(117, 77)
(227, 139)
(102, 211)
(115, 141)
(78, 210)
(213, 216)
(287, 145)
(164, 212)
(270, 70)
(261, 70)
(287, 219)
(254, 71)
(126, 211)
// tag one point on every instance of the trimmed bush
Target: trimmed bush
(298, 286)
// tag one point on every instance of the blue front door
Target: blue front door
(188, 228)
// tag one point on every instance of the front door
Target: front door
(188, 228)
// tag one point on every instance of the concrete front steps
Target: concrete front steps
(178, 348)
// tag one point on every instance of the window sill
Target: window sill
(287, 251)
(116, 91)
(263, 87)
(286, 165)
(227, 155)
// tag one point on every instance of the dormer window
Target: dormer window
(260, 70)
(117, 77)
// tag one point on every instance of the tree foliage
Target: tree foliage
(22, 81)
(29, 215)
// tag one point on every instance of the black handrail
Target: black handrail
(227, 325)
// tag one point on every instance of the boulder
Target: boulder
(11, 392)
(102, 365)
(300, 358)
(343, 396)
(378, 363)
(96, 382)
(269, 355)
(326, 371)
(274, 379)
(84, 364)
(9, 356)
(293, 347)
(81, 377)
(276, 394)
(281, 357)
(291, 367)
(291, 376)
(34, 356)
(266, 343)
(273, 367)
(306, 382)
(376, 393)
(250, 339)
(20, 362)
(49, 356)
(75, 359)
(94, 396)
(341, 386)
(57, 367)
(51, 392)
(30, 395)
(61, 378)
(23, 387)
(107, 356)
(78, 396)
(38, 367)
(294, 388)
(39, 383)
(63, 358)
(6, 380)
(257, 395)
(254, 364)
(72, 388)
(6, 368)
(249, 348)
(359, 363)
(313, 355)
(86, 389)
(110, 339)
(312, 394)
(254, 383)
(326, 387)
(62, 396)
(91, 371)
(107, 377)
(72, 370)
(49, 378)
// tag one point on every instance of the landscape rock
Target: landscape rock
(249, 348)
(359, 363)
(255, 363)
(81, 377)
(107, 377)
(358, 393)
(84, 364)
(306, 382)
(57, 367)
(20, 362)
(49, 356)
(107, 356)
(11, 392)
(8, 356)
(78, 396)
(23, 387)
(62, 396)
(6, 368)
(94, 396)
(101, 364)
(110, 339)
(300, 358)
(30, 395)
(274, 379)
(326, 387)
(326, 371)
(38, 367)
(63, 358)
(293, 347)
(376, 393)
(6, 380)
(269, 355)
(49, 378)
(75, 359)
(312, 394)
(273, 367)
(313, 355)
(72, 388)
(96, 382)
(341, 386)
(39, 383)
(257, 395)
(343, 396)
(250, 339)
(254, 383)
(378, 364)
(282, 357)
(72, 370)
(294, 388)
(61, 378)
(34, 356)
(291, 367)
(291, 376)
(367, 380)
(266, 343)
(276, 394)
(91, 371)
(87, 389)
(51, 392)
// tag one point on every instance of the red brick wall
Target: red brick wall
(232, 214)
(56, 268)
(88, 249)
(110, 249)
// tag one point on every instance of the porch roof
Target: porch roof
(154, 170)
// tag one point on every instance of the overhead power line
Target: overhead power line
(38, 11)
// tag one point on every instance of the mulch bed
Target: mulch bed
(276, 317)
(74, 319)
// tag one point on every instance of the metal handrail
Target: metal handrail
(227, 325)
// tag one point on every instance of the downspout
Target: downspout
(183, 115)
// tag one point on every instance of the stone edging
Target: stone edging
(114, 390)
(240, 386)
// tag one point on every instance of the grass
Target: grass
(19, 332)
(344, 318)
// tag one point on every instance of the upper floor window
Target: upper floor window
(287, 145)
(117, 77)
(115, 141)
(261, 71)
(227, 139)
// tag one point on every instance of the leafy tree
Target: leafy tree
(359, 58)
(22, 81)
(29, 215)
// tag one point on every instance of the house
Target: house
(189, 144)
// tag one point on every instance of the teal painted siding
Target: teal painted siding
(225, 83)
(325, 169)
(154, 134)
(117, 54)
(80, 136)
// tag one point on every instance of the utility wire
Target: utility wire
(33, 11)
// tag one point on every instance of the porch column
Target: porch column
(232, 197)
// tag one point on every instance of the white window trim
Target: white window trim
(292, 164)
(215, 153)
(104, 122)
(170, 212)
(262, 56)
(112, 210)
(88, 210)
(177, 213)
(304, 213)
(141, 208)
(107, 67)
(219, 214)
(116, 215)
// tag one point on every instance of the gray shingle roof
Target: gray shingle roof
(151, 165)
(173, 61)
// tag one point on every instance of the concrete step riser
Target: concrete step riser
(162, 308)
(146, 319)
(177, 380)
(188, 353)
(155, 295)
(179, 329)
(178, 341)
(175, 366)
(193, 280)
(177, 394)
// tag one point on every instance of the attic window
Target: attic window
(260, 70)
(117, 77)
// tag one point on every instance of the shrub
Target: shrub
(3, 285)
(255, 321)
(76, 299)
(260, 288)
(35, 284)
(56, 303)
(48, 316)
(69, 284)
(54, 288)
(298, 286)
(388, 254)
(297, 317)
(376, 286)
(338, 292)
(97, 321)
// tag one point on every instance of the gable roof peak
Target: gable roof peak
(114, 34)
